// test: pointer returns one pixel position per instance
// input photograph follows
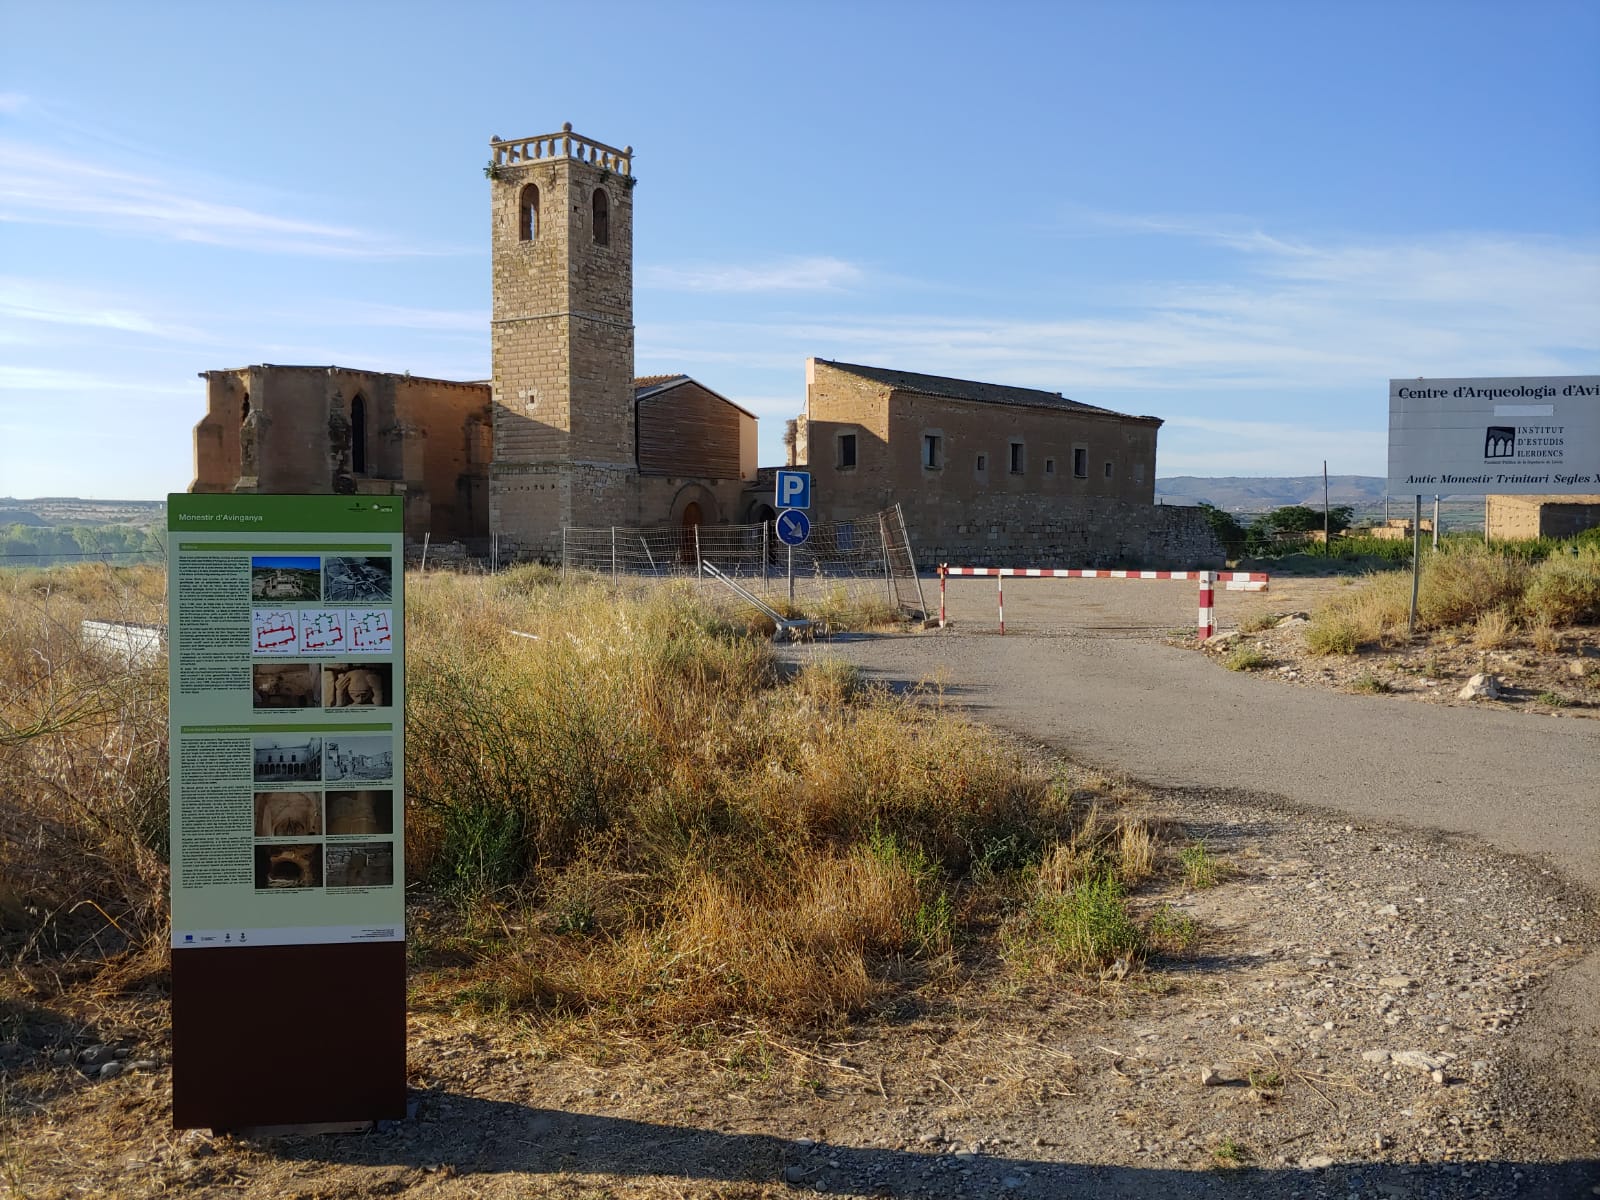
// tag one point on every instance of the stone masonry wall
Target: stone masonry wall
(562, 341)
(1002, 531)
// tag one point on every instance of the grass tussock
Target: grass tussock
(1489, 593)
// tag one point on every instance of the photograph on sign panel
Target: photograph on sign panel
(366, 812)
(285, 577)
(288, 866)
(360, 758)
(288, 759)
(357, 685)
(358, 580)
(288, 814)
(283, 685)
(361, 864)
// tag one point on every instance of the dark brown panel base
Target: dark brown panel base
(288, 1035)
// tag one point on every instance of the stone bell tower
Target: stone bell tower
(562, 337)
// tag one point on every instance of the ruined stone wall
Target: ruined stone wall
(1511, 517)
(425, 439)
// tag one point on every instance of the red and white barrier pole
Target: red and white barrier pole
(1000, 591)
(1208, 604)
(942, 574)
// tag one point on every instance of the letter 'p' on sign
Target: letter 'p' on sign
(794, 489)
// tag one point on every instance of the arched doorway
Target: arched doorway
(692, 518)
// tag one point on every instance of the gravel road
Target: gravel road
(1083, 668)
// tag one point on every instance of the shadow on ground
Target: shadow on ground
(491, 1137)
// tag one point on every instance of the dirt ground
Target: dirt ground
(1369, 1011)
(1347, 1025)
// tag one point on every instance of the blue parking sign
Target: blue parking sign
(794, 489)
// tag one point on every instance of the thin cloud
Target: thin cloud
(12, 102)
(44, 188)
(817, 274)
(55, 379)
(1297, 318)
(31, 300)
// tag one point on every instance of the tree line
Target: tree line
(46, 545)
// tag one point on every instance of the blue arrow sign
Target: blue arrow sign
(794, 489)
(794, 527)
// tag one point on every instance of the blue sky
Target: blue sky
(1241, 217)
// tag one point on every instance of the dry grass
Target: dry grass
(1494, 629)
(621, 813)
(83, 773)
(1486, 591)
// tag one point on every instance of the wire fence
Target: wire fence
(855, 560)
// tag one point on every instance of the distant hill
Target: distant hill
(1259, 494)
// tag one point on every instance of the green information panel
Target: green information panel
(287, 701)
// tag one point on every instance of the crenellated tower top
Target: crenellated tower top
(511, 152)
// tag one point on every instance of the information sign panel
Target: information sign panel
(1516, 436)
(286, 739)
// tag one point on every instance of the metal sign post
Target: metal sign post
(793, 528)
(1416, 566)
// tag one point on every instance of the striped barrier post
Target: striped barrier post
(1206, 624)
(1208, 604)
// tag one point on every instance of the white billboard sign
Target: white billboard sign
(1472, 437)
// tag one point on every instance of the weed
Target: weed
(1265, 1080)
(1247, 658)
(1257, 622)
(1553, 699)
(1229, 1153)
(1333, 634)
(1088, 925)
(1493, 629)
(1201, 868)
(1170, 932)
(1544, 635)
(1370, 684)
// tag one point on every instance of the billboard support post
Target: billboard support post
(1416, 567)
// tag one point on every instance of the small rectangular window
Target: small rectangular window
(1138, 472)
(932, 451)
(1018, 458)
(1080, 461)
(983, 462)
(847, 450)
(1108, 470)
(1049, 466)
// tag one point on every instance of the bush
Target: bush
(1088, 925)
(1565, 589)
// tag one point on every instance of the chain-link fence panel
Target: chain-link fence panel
(845, 561)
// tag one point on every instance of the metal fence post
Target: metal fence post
(764, 527)
(697, 549)
(613, 556)
(888, 567)
(911, 559)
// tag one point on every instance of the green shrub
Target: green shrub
(1247, 658)
(1088, 925)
